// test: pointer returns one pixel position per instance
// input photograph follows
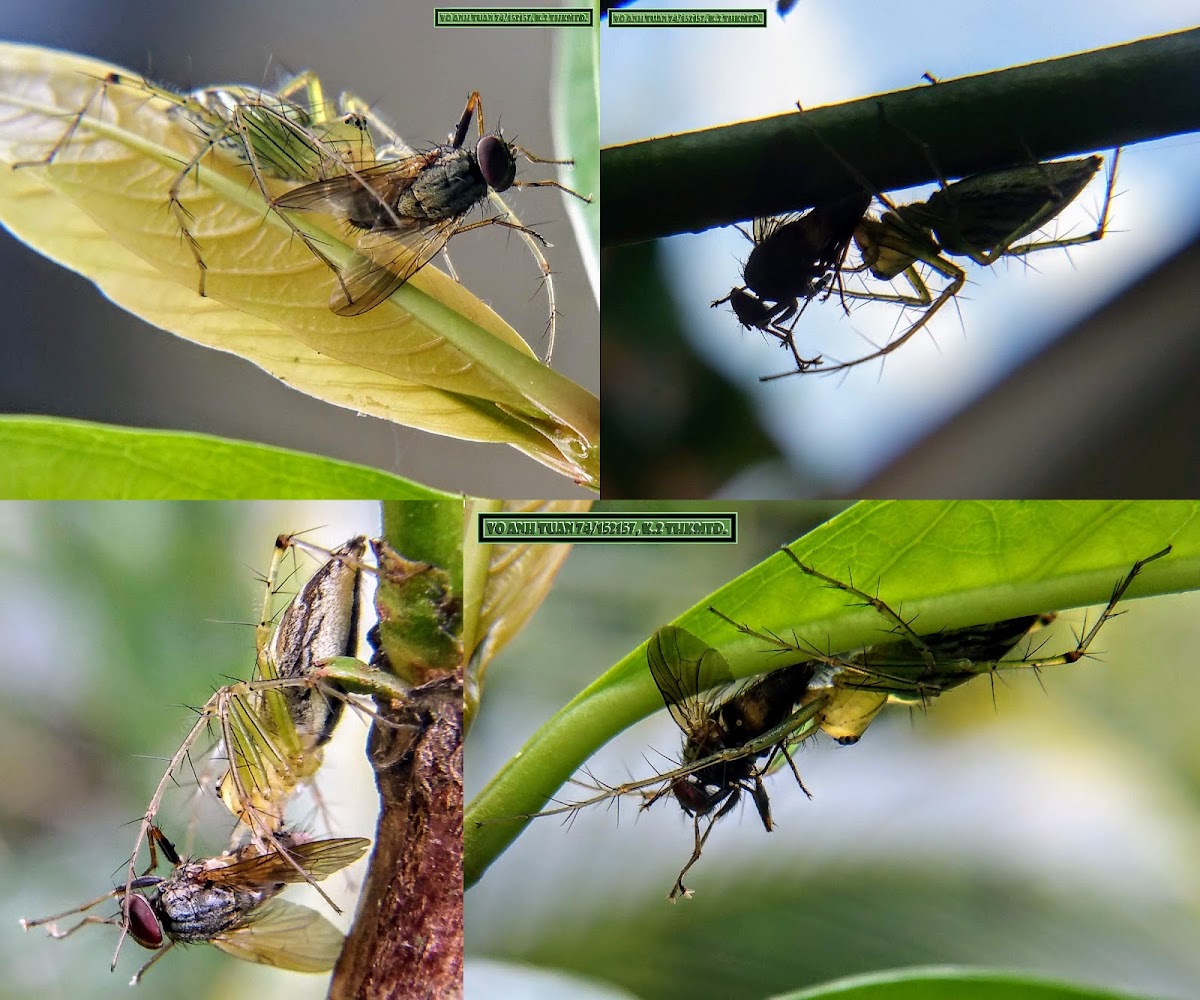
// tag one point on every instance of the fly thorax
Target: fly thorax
(744, 718)
(194, 911)
(759, 274)
(774, 276)
(786, 264)
(450, 186)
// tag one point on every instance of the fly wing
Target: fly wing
(388, 258)
(284, 935)
(691, 675)
(322, 858)
(315, 860)
(392, 247)
(363, 197)
(763, 227)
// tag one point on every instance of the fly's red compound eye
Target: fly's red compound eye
(143, 925)
(496, 162)
(692, 796)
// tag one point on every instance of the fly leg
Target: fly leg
(50, 922)
(137, 976)
(679, 889)
(534, 241)
(585, 198)
(761, 802)
(786, 335)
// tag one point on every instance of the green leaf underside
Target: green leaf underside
(951, 983)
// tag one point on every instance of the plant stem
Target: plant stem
(407, 940)
(1110, 97)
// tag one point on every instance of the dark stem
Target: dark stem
(1092, 101)
(407, 940)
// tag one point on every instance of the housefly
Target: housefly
(405, 208)
(271, 729)
(727, 729)
(229, 901)
(696, 690)
(796, 257)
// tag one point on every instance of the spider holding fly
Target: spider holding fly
(401, 205)
(271, 732)
(983, 217)
(405, 209)
(738, 732)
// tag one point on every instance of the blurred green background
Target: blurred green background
(117, 617)
(1052, 828)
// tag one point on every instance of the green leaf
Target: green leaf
(73, 459)
(576, 110)
(950, 983)
(800, 914)
(944, 564)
